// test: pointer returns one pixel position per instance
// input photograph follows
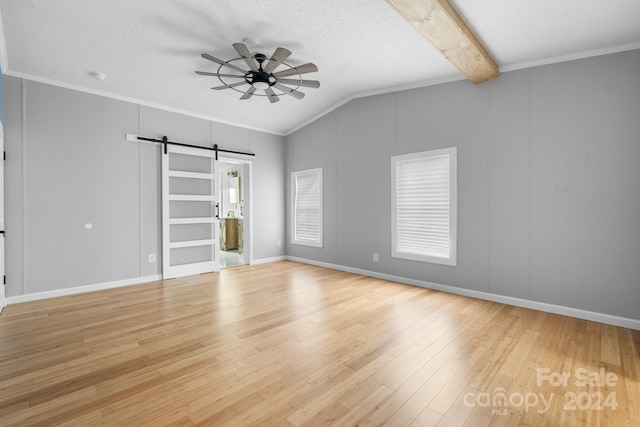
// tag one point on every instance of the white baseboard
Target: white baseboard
(267, 260)
(518, 302)
(107, 285)
(81, 289)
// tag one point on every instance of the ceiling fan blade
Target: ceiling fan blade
(248, 93)
(271, 95)
(243, 50)
(295, 93)
(303, 83)
(279, 55)
(229, 86)
(221, 62)
(302, 69)
(206, 73)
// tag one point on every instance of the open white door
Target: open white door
(190, 227)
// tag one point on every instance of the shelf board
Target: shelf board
(194, 175)
(191, 243)
(203, 220)
(190, 198)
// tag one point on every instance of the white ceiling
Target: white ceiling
(149, 49)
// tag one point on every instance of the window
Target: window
(306, 207)
(423, 206)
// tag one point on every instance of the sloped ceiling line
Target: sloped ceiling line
(362, 47)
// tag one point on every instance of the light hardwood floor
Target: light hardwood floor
(291, 344)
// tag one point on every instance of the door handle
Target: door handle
(217, 210)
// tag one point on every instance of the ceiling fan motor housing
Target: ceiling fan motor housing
(260, 79)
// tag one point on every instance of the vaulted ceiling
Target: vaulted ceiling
(149, 49)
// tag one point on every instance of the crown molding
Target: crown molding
(111, 95)
(570, 57)
(449, 79)
(392, 89)
(417, 85)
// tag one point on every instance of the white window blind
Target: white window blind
(306, 207)
(424, 206)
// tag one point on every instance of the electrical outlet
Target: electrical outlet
(279, 243)
(376, 258)
(152, 258)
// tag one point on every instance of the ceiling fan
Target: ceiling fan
(262, 74)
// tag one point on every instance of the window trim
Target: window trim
(318, 173)
(453, 207)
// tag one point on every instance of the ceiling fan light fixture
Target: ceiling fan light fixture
(260, 85)
(265, 74)
(259, 79)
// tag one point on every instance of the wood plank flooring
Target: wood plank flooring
(288, 344)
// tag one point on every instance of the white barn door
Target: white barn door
(190, 227)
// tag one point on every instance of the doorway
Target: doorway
(235, 211)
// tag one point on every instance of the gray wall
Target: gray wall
(69, 164)
(548, 181)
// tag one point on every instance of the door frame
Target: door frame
(231, 159)
(3, 285)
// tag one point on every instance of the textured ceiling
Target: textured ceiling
(149, 49)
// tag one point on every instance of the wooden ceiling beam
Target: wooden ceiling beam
(440, 24)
